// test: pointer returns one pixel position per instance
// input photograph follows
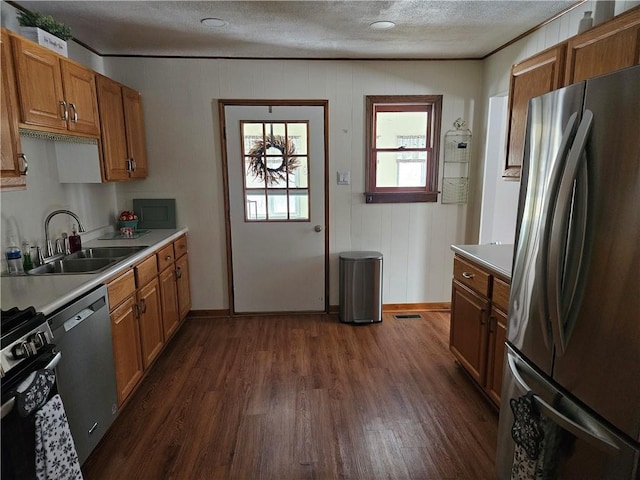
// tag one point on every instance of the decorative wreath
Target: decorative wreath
(288, 164)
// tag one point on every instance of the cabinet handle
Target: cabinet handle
(25, 164)
(143, 307)
(133, 164)
(65, 110)
(128, 162)
(492, 324)
(468, 275)
(136, 307)
(74, 117)
(178, 273)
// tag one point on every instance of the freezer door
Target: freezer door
(557, 436)
(552, 123)
(601, 360)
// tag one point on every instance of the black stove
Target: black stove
(24, 333)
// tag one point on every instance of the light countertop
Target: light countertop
(497, 258)
(47, 293)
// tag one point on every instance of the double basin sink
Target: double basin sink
(88, 260)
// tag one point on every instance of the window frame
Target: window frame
(403, 103)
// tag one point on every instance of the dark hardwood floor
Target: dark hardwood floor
(303, 397)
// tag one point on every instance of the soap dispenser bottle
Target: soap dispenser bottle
(75, 242)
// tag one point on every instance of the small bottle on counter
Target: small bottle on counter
(27, 264)
(75, 242)
(14, 258)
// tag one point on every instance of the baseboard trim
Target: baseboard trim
(412, 307)
(209, 313)
(407, 307)
(335, 309)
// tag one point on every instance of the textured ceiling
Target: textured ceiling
(300, 29)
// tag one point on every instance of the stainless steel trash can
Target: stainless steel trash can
(360, 287)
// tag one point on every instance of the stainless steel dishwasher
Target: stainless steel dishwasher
(86, 372)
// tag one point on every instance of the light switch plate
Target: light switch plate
(344, 177)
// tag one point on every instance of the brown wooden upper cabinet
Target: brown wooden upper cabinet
(608, 47)
(124, 153)
(605, 48)
(13, 165)
(54, 92)
(530, 78)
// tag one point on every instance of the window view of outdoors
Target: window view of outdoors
(402, 148)
(276, 173)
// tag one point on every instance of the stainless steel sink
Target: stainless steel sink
(105, 252)
(73, 266)
(87, 260)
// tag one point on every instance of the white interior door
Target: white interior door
(276, 178)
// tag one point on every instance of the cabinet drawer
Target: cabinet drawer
(121, 288)
(471, 276)
(165, 257)
(500, 296)
(146, 271)
(180, 246)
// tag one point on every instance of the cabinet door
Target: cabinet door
(114, 142)
(497, 337)
(79, 85)
(126, 348)
(151, 335)
(604, 49)
(169, 295)
(12, 171)
(134, 123)
(535, 76)
(468, 331)
(184, 290)
(39, 85)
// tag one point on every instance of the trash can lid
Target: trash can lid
(361, 255)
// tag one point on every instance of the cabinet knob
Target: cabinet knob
(168, 257)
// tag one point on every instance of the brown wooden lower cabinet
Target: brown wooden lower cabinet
(497, 337)
(126, 348)
(184, 290)
(469, 315)
(151, 332)
(147, 304)
(479, 324)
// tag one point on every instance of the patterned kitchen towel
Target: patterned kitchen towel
(56, 457)
(536, 440)
(34, 391)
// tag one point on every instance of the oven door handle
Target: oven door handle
(8, 405)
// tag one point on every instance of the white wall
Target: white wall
(180, 106)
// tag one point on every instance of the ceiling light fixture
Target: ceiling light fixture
(213, 22)
(382, 25)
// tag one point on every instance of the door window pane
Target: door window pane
(276, 164)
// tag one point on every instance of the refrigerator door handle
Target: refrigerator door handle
(590, 431)
(555, 176)
(558, 236)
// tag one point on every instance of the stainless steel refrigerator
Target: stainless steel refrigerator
(571, 388)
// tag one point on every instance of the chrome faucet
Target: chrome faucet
(81, 228)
